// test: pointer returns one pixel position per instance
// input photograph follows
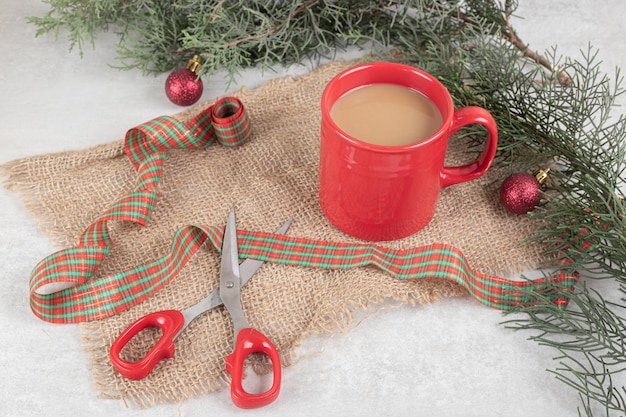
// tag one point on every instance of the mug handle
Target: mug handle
(462, 173)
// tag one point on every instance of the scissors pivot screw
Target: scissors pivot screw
(230, 284)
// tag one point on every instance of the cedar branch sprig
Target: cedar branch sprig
(589, 337)
(585, 217)
(159, 36)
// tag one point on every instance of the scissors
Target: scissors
(172, 322)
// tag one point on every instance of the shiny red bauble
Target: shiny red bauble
(183, 87)
(521, 192)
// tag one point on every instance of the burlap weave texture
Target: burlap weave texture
(268, 179)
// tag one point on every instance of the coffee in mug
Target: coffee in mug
(386, 114)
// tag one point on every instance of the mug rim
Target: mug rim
(326, 105)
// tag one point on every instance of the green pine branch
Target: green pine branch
(589, 338)
(545, 115)
(550, 110)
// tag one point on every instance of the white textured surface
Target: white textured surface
(452, 358)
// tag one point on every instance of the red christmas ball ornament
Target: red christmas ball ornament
(183, 86)
(521, 192)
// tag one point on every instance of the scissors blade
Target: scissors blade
(247, 269)
(230, 254)
(230, 278)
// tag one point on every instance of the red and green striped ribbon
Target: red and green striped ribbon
(74, 266)
(225, 121)
(109, 295)
(62, 290)
(145, 145)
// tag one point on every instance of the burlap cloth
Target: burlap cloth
(268, 179)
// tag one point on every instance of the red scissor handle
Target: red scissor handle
(249, 341)
(169, 321)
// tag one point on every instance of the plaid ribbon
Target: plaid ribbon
(226, 121)
(66, 271)
(109, 295)
(62, 291)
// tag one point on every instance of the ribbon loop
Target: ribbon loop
(72, 268)
(226, 120)
(66, 268)
(230, 121)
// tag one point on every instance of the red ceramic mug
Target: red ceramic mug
(376, 192)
